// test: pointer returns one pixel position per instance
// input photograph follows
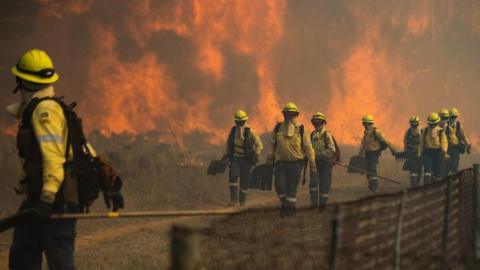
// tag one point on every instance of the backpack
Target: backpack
(383, 145)
(85, 173)
(461, 147)
(248, 148)
(337, 154)
(412, 139)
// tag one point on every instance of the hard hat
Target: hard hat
(415, 119)
(433, 118)
(444, 113)
(35, 66)
(290, 107)
(241, 115)
(368, 119)
(319, 116)
(454, 112)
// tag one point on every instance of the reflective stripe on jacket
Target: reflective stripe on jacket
(50, 129)
(323, 144)
(411, 140)
(239, 142)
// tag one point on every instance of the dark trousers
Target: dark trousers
(372, 158)
(239, 168)
(55, 238)
(434, 165)
(415, 167)
(287, 176)
(454, 160)
(321, 183)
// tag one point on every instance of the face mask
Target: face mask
(240, 123)
(367, 126)
(26, 95)
(318, 125)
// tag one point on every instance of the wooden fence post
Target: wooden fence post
(398, 239)
(476, 213)
(335, 237)
(185, 250)
(446, 221)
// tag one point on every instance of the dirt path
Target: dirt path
(102, 238)
(88, 239)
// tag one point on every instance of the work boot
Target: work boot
(313, 199)
(291, 211)
(283, 211)
(233, 194)
(373, 185)
(242, 198)
(427, 179)
(323, 203)
(413, 181)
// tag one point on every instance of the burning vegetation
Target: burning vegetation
(186, 66)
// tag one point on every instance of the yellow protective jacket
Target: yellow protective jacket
(323, 144)
(239, 141)
(371, 141)
(50, 130)
(456, 134)
(434, 138)
(289, 144)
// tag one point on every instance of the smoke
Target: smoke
(186, 66)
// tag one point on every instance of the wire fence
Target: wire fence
(429, 227)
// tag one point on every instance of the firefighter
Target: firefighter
(458, 142)
(411, 142)
(290, 148)
(242, 149)
(433, 149)
(444, 118)
(324, 146)
(41, 144)
(372, 146)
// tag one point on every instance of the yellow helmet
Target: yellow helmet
(319, 116)
(415, 119)
(454, 112)
(445, 113)
(368, 119)
(241, 115)
(433, 118)
(35, 66)
(290, 107)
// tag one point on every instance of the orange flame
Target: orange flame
(370, 73)
(366, 83)
(10, 131)
(138, 96)
(62, 8)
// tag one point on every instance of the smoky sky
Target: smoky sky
(434, 46)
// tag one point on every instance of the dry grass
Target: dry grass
(156, 179)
